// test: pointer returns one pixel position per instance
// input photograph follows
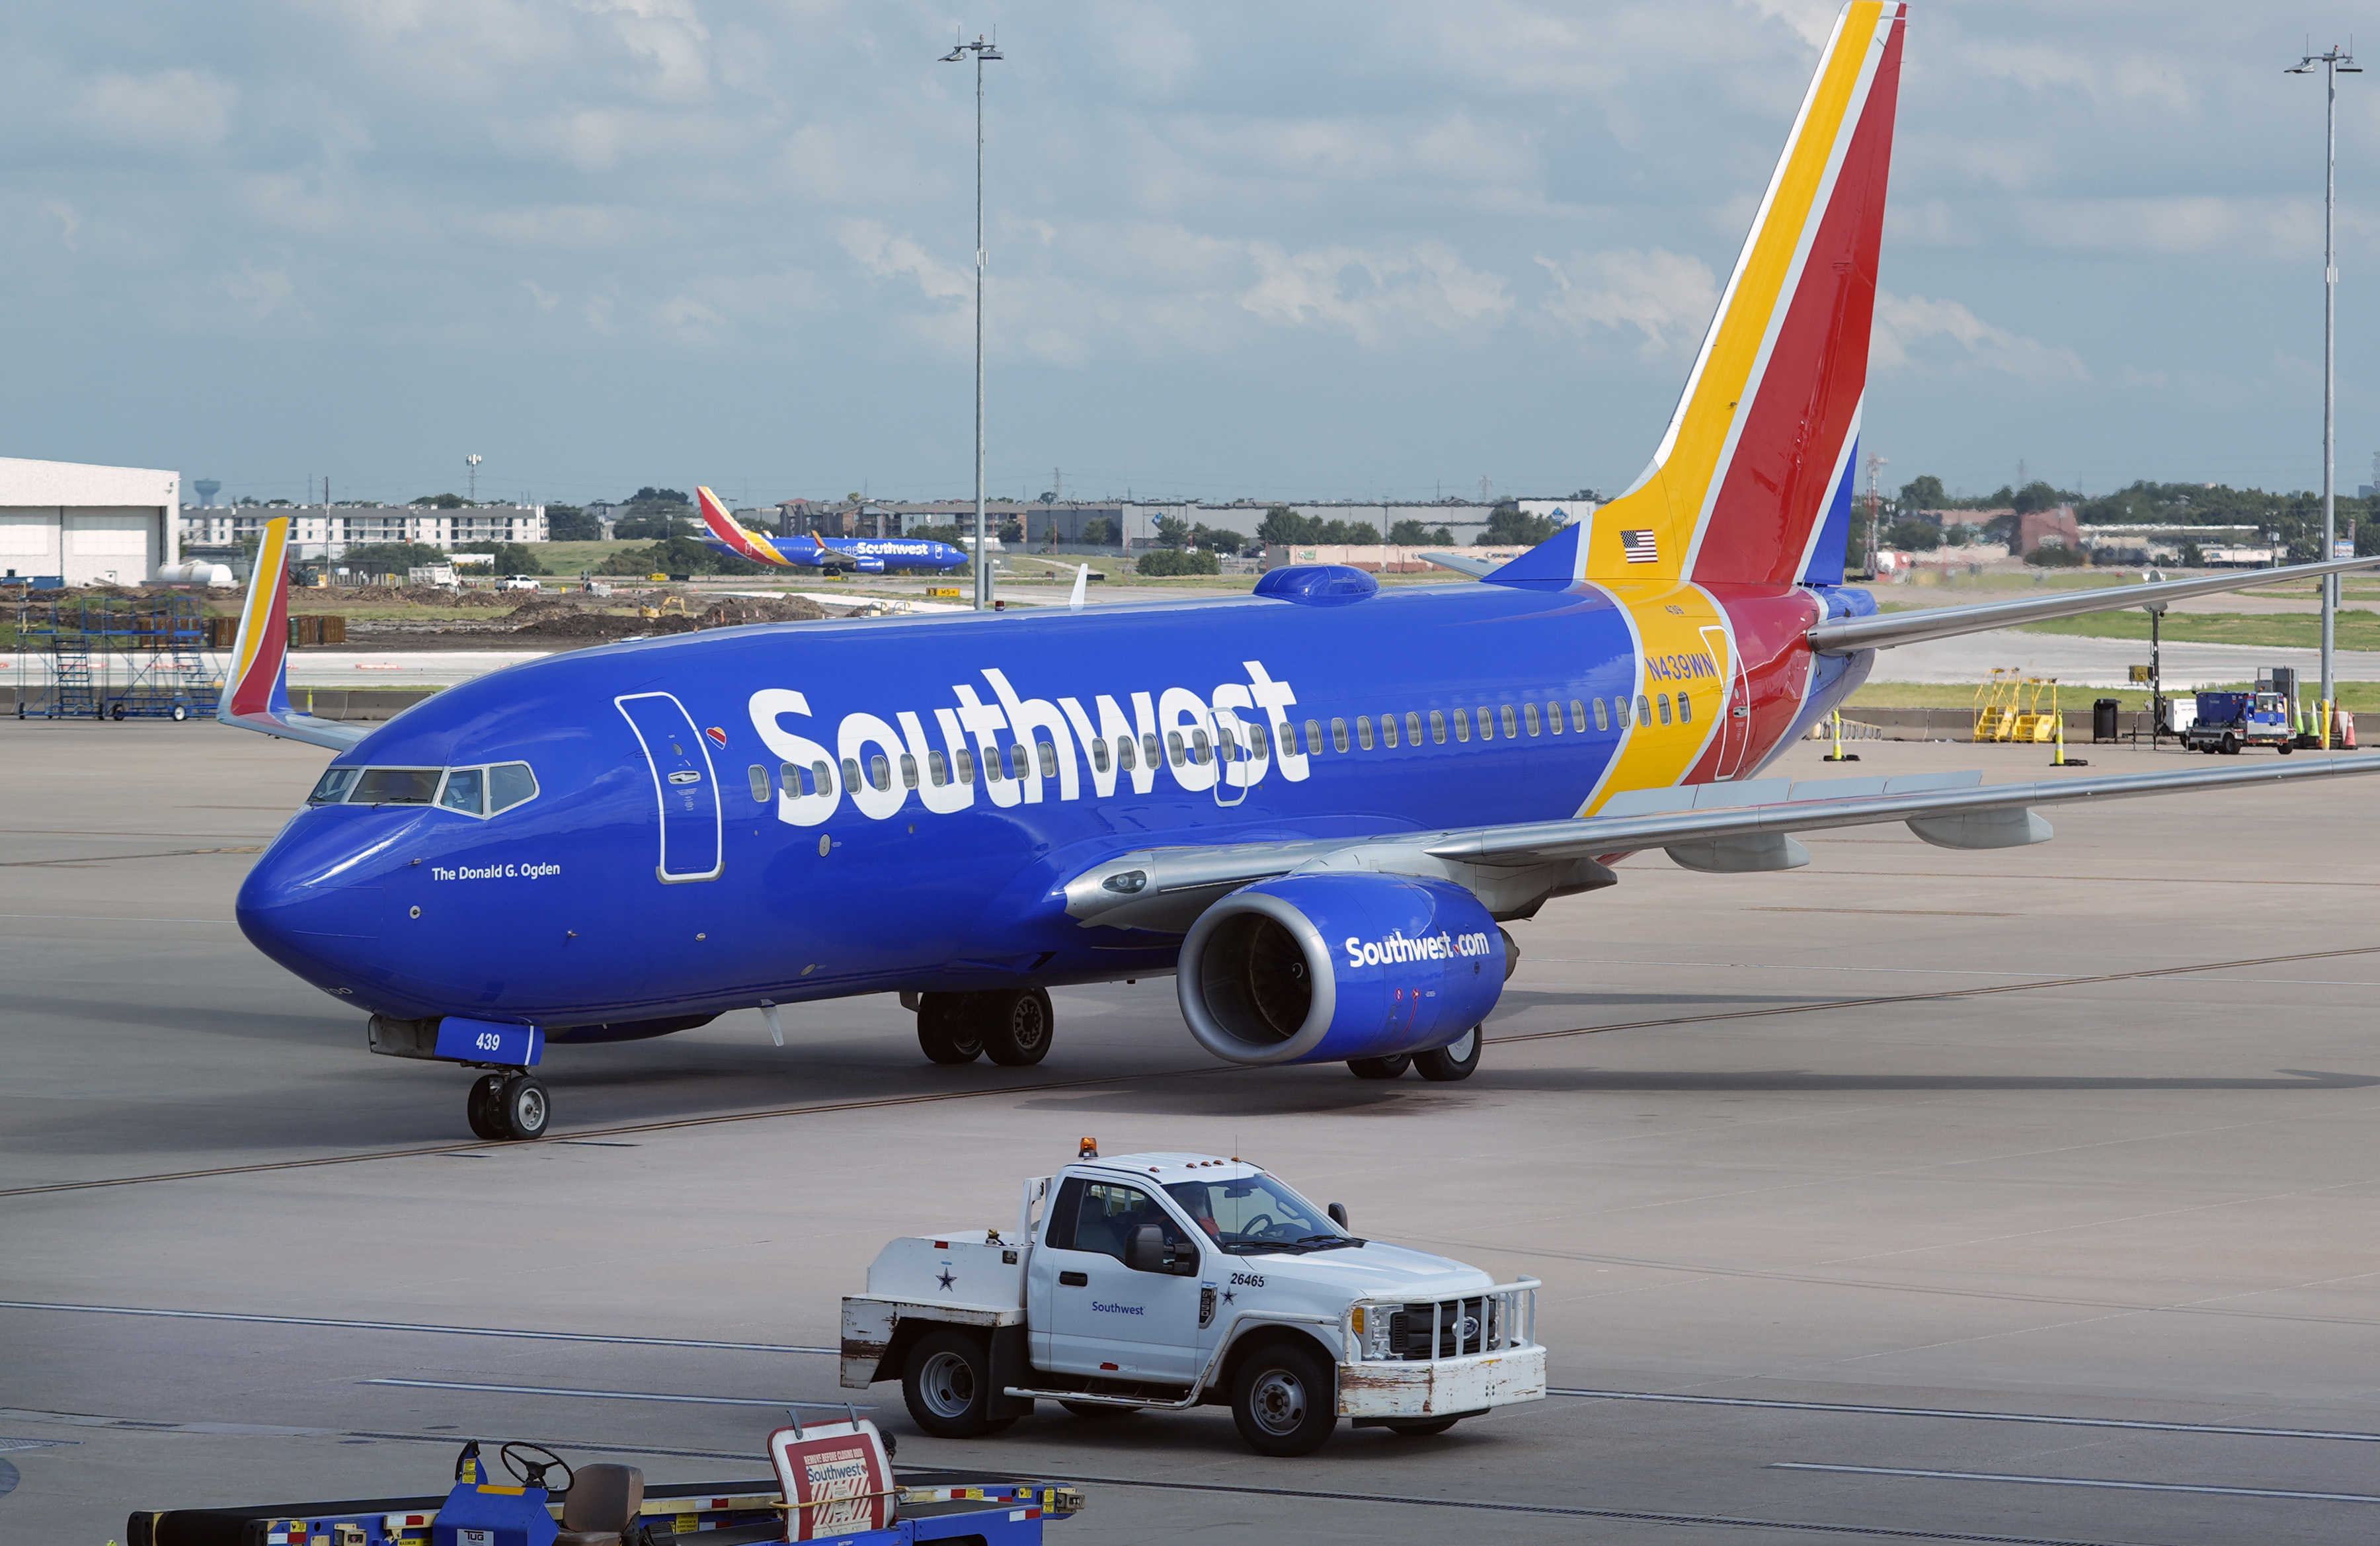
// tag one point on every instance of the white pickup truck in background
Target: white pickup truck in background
(1171, 1281)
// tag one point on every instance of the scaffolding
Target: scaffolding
(105, 657)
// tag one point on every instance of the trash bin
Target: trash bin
(2103, 719)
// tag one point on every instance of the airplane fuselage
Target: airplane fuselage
(810, 810)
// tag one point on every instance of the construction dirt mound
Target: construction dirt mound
(729, 612)
(570, 623)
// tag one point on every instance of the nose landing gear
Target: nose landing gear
(509, 1107)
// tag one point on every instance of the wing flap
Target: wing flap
(1850, 635)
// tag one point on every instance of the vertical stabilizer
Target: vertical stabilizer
(1762, 447)
(732, 535)
(256, 688)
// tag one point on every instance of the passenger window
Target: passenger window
(1530, 712)
(1149, 748)
(1665, 708)
(965, 761)
(1048, 759)
(851, 773)
(1201, 750)
(396, 787)
(333, 786)
(1257, 741)
(1388, 731)
(1512, 726)
(1686, 710)
(1601, 723)
(1438, 726)
(463, 790)
(1314, 735)
(1578, 715)
(1020, 761)
(879, 772)
(1338, 736)
(1174, 744)
(789, 778)
(1124, 753)
(908, 771)
(1412, 729)
(1363, 731)
(1644, 709)
(1619, 712)
(821, 778)
(1099, 755)
(995, 770)
(758, 776)
(938, 768)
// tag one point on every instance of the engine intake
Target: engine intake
(1318, 968)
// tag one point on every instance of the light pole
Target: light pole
(2333, 62)
(983, 52)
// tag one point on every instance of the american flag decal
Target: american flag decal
(1639, 547)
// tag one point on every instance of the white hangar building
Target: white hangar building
(88, 525)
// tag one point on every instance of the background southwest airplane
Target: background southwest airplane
(868, 554)
(1252, 794)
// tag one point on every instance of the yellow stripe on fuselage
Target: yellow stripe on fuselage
(1670, 501)
(1683, 648)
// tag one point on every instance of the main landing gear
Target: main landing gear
(511, 1106)
(1456, 1060)
(1012, 1026)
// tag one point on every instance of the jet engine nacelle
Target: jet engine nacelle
(1318, 968)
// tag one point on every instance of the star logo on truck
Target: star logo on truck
(945, 1277)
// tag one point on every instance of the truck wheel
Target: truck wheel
(1419, 1428)
(1380, 1068)
(1015, 1027)
(947, 1386)
(1283, 1401)
(2285, 748)
(1455, 1060)
(946, 1027)
(2230, 745)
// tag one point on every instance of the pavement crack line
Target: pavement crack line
(931, 1097)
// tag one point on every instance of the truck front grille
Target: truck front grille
(1463, 1327)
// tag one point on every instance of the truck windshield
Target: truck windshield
(1249, 1215)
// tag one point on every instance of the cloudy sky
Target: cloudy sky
(1307, 251)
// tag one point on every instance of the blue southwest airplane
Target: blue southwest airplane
(870, 555)
(1252, 794)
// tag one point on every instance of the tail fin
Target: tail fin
(256, 690)
(1751, 483)
(731, 534)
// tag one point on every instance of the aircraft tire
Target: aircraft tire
(523, 1108)
(480, 1107)
(1380, 1068)
(946, 1027)
(1017, 1027)
(1457, 1060)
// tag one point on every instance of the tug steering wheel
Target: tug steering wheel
(530, 1472)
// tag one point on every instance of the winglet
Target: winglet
(731, 534)
(256, 695)
(1082, 586)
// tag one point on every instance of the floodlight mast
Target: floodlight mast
(983, 53)
(2335, 61)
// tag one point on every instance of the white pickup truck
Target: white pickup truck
(1171, 1281)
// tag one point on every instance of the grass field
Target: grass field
(2359, 628)
(2354, 697)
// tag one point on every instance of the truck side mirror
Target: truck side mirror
(1338, 1211)
(1148, 1251)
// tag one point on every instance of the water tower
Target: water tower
(208, 488)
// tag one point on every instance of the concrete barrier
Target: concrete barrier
(361, 705)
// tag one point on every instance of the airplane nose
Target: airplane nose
(312, 908)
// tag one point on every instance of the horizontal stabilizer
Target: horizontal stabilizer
(1462, 563)
(1851, 635)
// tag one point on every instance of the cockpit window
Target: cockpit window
(510, 783)
(396, 787)
(462, 791)
(468, 791)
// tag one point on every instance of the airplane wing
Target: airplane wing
(1851, 635)
(1478, 569)
(257, 696)
(1718, 827)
